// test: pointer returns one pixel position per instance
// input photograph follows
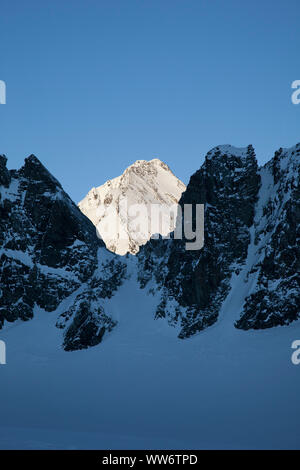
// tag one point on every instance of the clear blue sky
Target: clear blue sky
(93, 85)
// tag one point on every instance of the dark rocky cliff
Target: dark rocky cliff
(48, 250)
(251, 245)
(274, 298)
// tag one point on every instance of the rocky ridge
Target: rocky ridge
(49, 251)
(251, 251)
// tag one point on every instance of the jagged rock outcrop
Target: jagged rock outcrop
(48, 248)
(86, 321)
(108, 206)
(251, 248)
(274, 274)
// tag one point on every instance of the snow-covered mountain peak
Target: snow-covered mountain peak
(144, 182)
(146, 169)
(226, 150)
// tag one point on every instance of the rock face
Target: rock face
(197, 282)
(274, 274)
(48, 251)
(109, 206)
(250, 259)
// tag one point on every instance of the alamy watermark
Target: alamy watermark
(2, 353)
(296, 94)
(143, 221)
(296, 354)
(2, 92)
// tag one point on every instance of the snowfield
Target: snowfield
(142, 387)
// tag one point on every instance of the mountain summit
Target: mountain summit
(112, 206)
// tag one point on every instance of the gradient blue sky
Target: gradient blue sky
(93, 85)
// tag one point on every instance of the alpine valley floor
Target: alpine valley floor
(142, 387)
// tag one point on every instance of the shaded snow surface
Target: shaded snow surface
(144, 388)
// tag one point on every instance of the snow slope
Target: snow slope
(142, 387)
(108, 206)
